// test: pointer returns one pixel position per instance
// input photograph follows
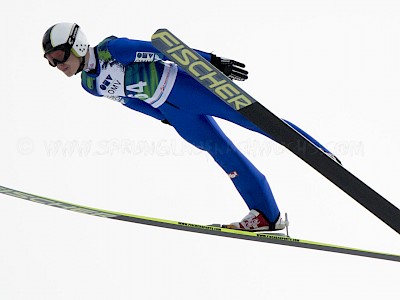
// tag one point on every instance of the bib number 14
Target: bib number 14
(138, 89)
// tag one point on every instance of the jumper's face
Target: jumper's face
(64, 61)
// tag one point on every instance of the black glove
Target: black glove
(231, 68)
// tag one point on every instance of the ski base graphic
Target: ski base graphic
(237, 99)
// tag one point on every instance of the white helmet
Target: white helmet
(65, 36)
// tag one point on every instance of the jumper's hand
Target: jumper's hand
(231, 68)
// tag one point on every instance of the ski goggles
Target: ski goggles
(58, 55)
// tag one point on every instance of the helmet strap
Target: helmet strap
(81, 66)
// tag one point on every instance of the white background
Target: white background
(331, 67)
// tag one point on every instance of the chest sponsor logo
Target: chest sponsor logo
(110, 85)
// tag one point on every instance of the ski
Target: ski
(203, 229)
(219, 84)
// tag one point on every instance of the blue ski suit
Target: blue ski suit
(135, 74)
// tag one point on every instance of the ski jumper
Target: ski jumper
(134, 73)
